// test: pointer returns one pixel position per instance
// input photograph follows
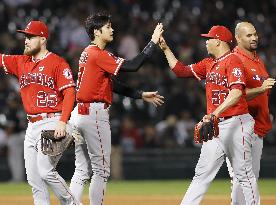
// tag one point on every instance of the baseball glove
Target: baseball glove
(52, 146)
(206, 129)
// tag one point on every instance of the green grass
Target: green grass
(147, 188)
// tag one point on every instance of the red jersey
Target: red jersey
(256, 73)
(220, 74)
(96, 66)
(41, 82)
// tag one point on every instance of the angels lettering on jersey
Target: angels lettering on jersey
(217, 78)
(37, 78)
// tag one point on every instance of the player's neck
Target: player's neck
(249, 53)
(41, 54)
(98, 42)
(221, 52)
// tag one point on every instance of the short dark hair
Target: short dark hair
(96, 21)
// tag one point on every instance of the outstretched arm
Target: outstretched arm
(251, 93)
(168, 53)
(180, 70)
(134, 64)
(150, 97)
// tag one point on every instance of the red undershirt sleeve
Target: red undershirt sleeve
(182, 71)
(68, 103)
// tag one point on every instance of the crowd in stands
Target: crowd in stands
(136, 124)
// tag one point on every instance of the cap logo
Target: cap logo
(217, 35)
(28, 26)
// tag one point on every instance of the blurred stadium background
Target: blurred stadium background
(148, 143)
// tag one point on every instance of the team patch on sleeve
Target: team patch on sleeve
(237, 72)
(67, 73)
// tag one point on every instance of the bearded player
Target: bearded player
(225, 95)
(47, 91)
(94, 96)
(258, 85)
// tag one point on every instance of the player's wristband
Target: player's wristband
(148, 50)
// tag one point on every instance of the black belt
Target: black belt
(224, 118)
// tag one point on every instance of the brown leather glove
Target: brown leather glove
(52, 146)
(206, 129)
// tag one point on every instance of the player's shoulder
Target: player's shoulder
(232, 57)
(57, 61)
(207, 60)
(92, 51)
(55, 58)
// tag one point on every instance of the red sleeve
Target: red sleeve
(10, 63)
(68, 103)
(109, 62)
(235, 71)
(182, 71)
(199, 69)
(64, 77)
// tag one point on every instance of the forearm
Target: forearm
(122, 89)
(68, 103)
(253, 92)
(170, 57)
(232, 98)
(134, 64)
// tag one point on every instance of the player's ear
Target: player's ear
(96, 32)
(43, 40)
(218, 42)
(237, 38)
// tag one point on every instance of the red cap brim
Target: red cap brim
(26, 32)
(207, 35)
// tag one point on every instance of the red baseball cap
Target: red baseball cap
(220, 32)
(36, 28)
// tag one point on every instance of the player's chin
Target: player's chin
(27, 51)
(253, 46)
(110, 38)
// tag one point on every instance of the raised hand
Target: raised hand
(268, 84)
(157, 33)
(153, 97)
(162, 43)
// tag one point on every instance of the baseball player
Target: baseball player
(83, 170)
(94, 96)
(258, 85)
(225, 94)
(47, 91)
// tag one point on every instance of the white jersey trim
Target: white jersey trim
(67, 86)
(237, 82)
(121, 60)
(3, 63)
(197, 77)
(47, 54)
(220, 59)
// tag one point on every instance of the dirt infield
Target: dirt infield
(136, 200)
